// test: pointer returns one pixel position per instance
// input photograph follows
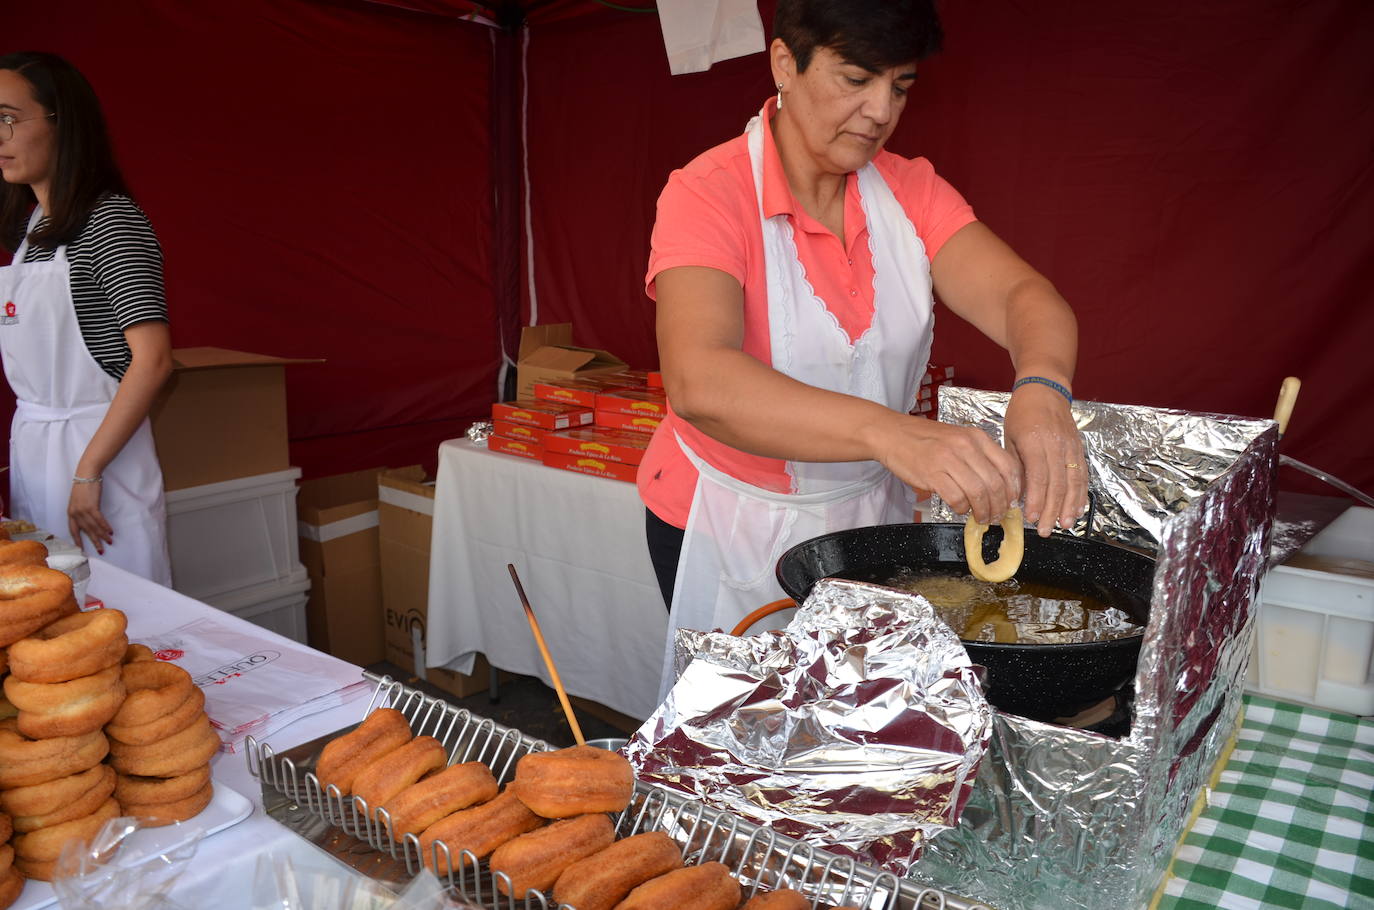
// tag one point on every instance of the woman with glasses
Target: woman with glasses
(793, 269)
(83, 329)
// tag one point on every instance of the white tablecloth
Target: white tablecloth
(578, 543)
(222, 872)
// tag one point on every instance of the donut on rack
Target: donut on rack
(398, 769)
(604, 879)
(574, 781)
(422, 804)
(533, 861)
(68, 708)
(31, 597)
(26, 762)
(709, 886)
(478, 830)
(384, 731)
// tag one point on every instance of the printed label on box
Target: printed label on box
(597, 467)
(613, 421)
(515, 447)
(640, 402)
(519, 431)
(547, 415)
(625, 446)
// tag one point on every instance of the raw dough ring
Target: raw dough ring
(1008, 554)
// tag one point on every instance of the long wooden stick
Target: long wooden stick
(548, 658)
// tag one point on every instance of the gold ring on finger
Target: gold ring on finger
(1072, 466)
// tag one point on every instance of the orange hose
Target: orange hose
(761, 612)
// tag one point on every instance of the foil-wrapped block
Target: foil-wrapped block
(480, 432)
(858, 728)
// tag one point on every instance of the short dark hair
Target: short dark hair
(873, 34)
(85, 170)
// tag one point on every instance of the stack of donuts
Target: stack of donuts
(549, 830)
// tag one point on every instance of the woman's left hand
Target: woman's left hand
(1041, 433)
(84, 517)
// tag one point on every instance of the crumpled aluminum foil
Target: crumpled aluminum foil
(1071, 820)
(480, 432)
(858, 728)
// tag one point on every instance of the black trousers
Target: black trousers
(665, 546)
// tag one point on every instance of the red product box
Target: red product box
(635, 402)
(655, 379)
(628, 379)
(624, 446)
(613, 420)
(580, 392)
(519, 447)
(519, 431)
(547, 415)
(597, 467)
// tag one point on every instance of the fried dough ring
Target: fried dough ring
(179, 753)
(73, 646)
(23, 553)
(534, 861)
(602, 880)
(398, 769)
(25, 762)
(422, 804)
(6, 863)
(1008, 554)
(709, 886)
(133, 790)
(382, 732)
(67, 708)
(45, 844)
(11, 884)
(155, 689)
(30, 598)
(84, 804)
(6, 829)
(155, 815)
(138, 652)
(49, 796)
(154, 731)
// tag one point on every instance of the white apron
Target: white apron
(62, 396)
(736, 531)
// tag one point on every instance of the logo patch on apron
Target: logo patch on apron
(11, 316)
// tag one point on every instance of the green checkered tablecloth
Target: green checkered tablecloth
(1291, 823)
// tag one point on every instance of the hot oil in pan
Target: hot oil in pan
(1016, 612)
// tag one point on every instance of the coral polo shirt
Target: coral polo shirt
(708, 216)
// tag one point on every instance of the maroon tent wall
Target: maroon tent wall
(1194, 177)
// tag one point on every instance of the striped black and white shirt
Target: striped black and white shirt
(116, 278)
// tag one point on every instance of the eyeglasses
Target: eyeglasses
(7, 122)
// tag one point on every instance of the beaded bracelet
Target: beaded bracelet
(1041, 380)
(95, 479)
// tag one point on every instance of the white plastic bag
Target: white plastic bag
(280, 885)
(698, 33)
(117, 870)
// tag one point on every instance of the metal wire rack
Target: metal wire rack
(761, 859)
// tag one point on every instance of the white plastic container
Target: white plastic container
(277, 605)
(1314, 639)
(235, 535)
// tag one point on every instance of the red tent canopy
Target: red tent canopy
(382, 182)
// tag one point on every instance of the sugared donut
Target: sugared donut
(41, 799)
(534, 861)
(782, 899)
(478, 830)
(137, 652)
(83, 805)
(155, 815)
(602, 880)
(385, 730)
(11, 884)
(132, 789)
(177, 754)
(180, 717)
(709, 886)
(66, 708)
(25, 762)
(573, 781)
(23, 553)
(45, 844)
(154, 689)
(398, 769)
(72, 646)
(422, 804)
(6, 829)
(6, 860)
(31, 597)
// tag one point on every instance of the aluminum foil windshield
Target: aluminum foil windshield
(858, 728)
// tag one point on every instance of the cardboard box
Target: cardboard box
(547, 415)
(338, 546)
(624, 446)
(525, 434)
(547, 353)
(221, 416)
(613, 420)
(531, 450)
(405, 518)
(597, 467)
(634, 402)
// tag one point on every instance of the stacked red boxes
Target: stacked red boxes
(640, 410)
(519, 427)
(596, 450)
(626, 411)
(580, 392)
(935, 376)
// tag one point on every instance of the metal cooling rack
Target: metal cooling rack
(361, 837)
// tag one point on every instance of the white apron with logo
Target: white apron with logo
(63, 395)
(736, 531)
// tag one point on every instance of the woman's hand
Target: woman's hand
(1041, 432)
(968, 470)
(84, 516)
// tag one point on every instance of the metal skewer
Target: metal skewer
(548, 658)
